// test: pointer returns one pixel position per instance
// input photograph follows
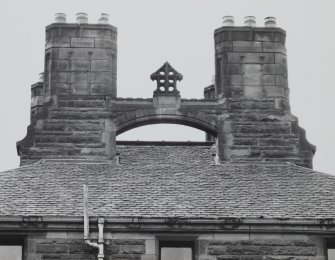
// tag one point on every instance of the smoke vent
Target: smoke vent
(270, 22)
(60, 18)
(250, 21)
(228, 20)
(104, 19)
(82, 18)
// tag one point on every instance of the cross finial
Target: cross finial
(166, 77)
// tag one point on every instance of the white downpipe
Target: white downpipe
(100, 244)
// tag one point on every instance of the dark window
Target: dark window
(11, 248)
(176, 250)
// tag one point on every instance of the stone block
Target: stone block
(280, 59)
(247, 46)
(77, 77)
(222, 36)
(274, 91)
(80, 65)
(80, 89)
(101, 65)
(83, 54)
(51, 248)
(280, 80)
(279, 69)
(100, 77)
(57, 42)
(263, 36)
(242, 35)
(245, 141)
(132, 249)
(60, 88)
(82, 42)
(60, 77)
(274, 47)
(252, 69)
(223, 47)
(257, 58)
(105, 44)
(232, 68)
(81, 249)
(253, 91)
(251, 80)
(99, 89)
(60, 65)
(279, 154)
(269, 80)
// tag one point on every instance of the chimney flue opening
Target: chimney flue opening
(60, 18)
(228, 20)
(82, 18)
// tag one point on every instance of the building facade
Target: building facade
(247, 193)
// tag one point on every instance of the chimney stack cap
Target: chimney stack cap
(104, 19)
(270, 21)
(228, 20)
(250, 21)
(82, 18)
(60, 18)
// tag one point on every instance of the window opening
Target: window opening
(176, 250)
(11, 248)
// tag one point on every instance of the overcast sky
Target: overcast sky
(151, 32)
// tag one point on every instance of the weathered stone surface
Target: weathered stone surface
(274, 47)
(80, 88)
(252, 69)
(60, 65)
(258, 58)
(275, 69)
(101, 65)
(79, 77)
(105, 44)
(253, 91)
(247, 46)
(80, 65)
(51, 248)
(82, 42)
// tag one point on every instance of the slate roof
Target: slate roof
(166, 181)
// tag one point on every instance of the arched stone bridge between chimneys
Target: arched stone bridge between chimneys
(132, 113)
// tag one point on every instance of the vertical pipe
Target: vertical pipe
(101, 238)
(86, 219)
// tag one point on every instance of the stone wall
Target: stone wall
(207, 246)
(69, 249)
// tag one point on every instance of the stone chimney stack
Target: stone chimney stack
(80, 58)
(251, 62)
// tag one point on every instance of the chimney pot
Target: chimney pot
(270, 22)
(250, 21)
(228, 20)
(60, 18)
(104, 19)
(82, 18)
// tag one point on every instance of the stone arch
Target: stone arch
(196, 120)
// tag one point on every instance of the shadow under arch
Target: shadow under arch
(207, 127)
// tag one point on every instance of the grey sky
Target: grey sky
(154, 31)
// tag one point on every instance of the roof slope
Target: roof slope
(156, 181)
